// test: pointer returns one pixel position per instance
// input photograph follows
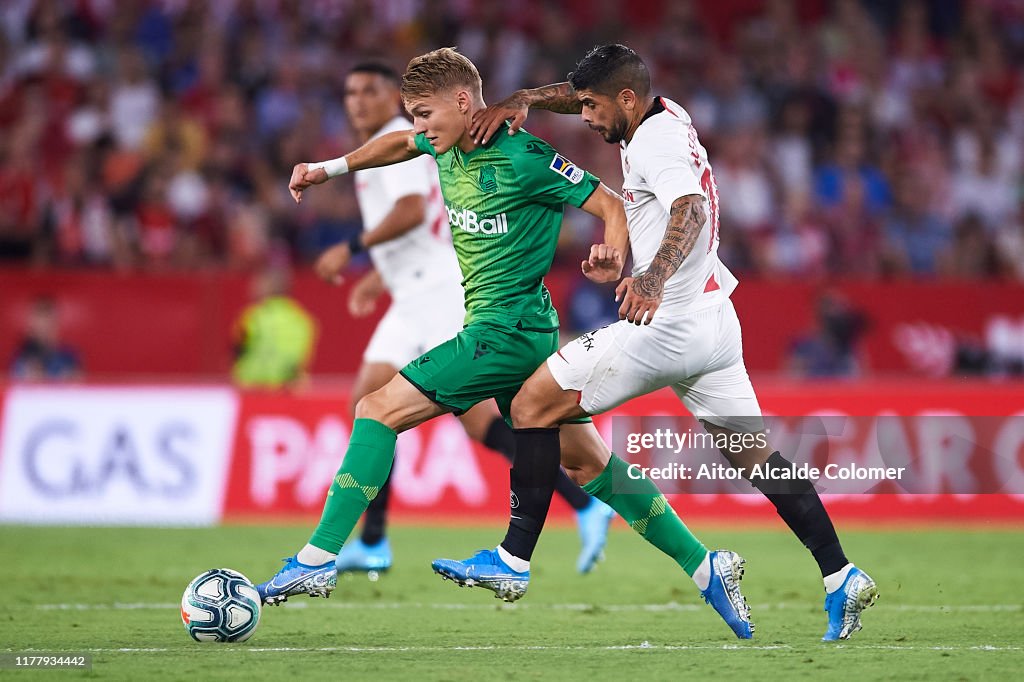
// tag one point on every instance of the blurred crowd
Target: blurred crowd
(870, 138)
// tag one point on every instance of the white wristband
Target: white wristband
(333, 168)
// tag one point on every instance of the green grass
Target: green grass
(950, 608)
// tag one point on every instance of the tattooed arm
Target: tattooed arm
(643, 294)
(558, 97)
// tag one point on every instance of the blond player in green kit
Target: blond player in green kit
(505, 204)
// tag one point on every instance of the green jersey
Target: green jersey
(505, 202)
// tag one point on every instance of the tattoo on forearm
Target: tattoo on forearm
(686, 219)
(558, 98)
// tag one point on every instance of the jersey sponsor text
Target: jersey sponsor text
(468, 221)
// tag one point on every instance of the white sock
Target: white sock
(835, 581)
(314, 556)
(702, 576)
(515, 563)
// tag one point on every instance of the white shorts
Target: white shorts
(415, 324)
(699, 354)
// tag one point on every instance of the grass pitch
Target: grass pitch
(950, 608)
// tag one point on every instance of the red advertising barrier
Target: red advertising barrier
(287, 448)
(169, 325)
(198, 455)
(911, 327)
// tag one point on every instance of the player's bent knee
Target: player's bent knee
(542, 403)
(372, 406)
(363, 408)
(530, 410)
(398, 405)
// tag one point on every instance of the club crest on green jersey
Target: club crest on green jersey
(567, 168)
(488, 182)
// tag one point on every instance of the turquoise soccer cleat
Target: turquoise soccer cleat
(296, 578)
(845, 605)
(358, 557)
(484, 569)
(724, 594)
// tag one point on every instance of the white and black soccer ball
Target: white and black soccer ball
(220, 605)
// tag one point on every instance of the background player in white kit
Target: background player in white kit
(407, 236)
(693, 343)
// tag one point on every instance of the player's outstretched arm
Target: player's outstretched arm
(557, 97)
(642, 295)
(380, 151)
(606, 260)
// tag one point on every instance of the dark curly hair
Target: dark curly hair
(610, 69)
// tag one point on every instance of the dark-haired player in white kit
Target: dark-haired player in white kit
(693, 343)
(406, 234)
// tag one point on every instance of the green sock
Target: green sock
(366, 466)
(645, 509)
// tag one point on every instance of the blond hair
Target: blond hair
(440, 71)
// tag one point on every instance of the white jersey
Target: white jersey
(423, 257)
(662, 162)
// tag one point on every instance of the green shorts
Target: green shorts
(485, 360)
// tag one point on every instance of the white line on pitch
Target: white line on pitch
(643, 646)
(611, 608)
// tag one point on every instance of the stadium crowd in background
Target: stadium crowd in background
(851, 137)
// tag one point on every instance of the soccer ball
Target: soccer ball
(220, 605)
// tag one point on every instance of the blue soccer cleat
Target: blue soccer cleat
(845, 605)
(485, 569)
(724, 594)
(296, 578)
(358, 557)
(592, 522)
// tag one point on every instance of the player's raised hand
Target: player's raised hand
(332, 263)
(486, 122)
(302, 178)
(604, 264)
(640, 298)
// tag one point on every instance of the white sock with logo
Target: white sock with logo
(314, 556)
(834, 581)
(702, 576)
(515, 563)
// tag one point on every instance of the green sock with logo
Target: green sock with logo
(648, 512)
(367, 463)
